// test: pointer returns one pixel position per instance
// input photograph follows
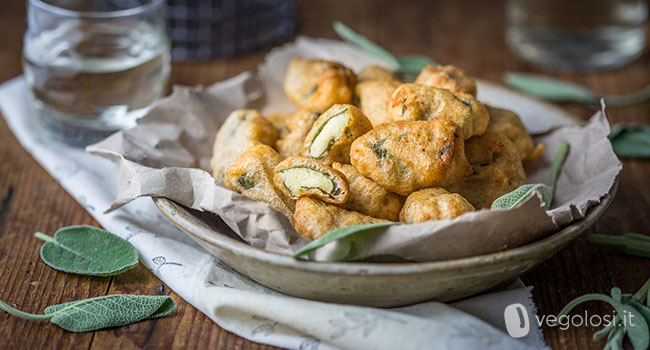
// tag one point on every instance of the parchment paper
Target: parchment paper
(167, 155)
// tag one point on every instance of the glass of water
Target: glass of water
(577, 35)
(94, 66)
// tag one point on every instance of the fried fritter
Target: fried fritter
(508, 123)
(367, 197)
(410, 155)
(422, 102)
(330, 137)
(252, 176)
(243, 129)
(303, 176)
(298, 126)
(316, 85)
(497, 170)
(447, 77)
(279, 121)
(433, 203)
(375, 97)
(314, 218)
(374, 72)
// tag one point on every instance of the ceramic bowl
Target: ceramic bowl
(372, 284)
(388, 284)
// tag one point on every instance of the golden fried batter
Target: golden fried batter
(497, 170)
(410, 155)
(374, 98)
(508, 123)
(374, 72)
(243, 129)
(252, 176)
(422, 102)
(298, 126)
(447, 77)
(330, 137)
(279, 121)
(367, 197)
(434, 203)
(303, 176)
(313, 218)
(316, 85)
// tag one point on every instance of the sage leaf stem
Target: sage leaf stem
(13, 311)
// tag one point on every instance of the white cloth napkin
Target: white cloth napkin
(237, 303)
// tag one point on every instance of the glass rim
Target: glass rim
(128, 12)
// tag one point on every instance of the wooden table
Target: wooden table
(469, 34)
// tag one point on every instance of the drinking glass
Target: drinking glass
(94, 66)
(577, 35)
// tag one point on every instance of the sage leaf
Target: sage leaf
(340, 233)
(637, 330)
(349, 35)
(101, 312)
(523, 192)
(549, 88)
(560, 90)
(630, 140)
(615, 338)
(413, 64)
(629, 243)
(87, 250)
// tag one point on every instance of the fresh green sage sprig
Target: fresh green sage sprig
(87, 250)
(631, 140)
(518, 196)
(632, 317)
(343, 234)
(559, 90)
(101, 312)
(409, 65)
(629, 243)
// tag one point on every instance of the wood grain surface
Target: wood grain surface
(469, 34)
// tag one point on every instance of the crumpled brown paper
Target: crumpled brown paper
(167, 155)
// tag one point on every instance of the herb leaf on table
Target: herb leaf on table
(87, 250)
(101, 312)
(629, 243)
(631, 140)
(633, 322)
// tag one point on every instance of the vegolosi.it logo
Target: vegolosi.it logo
(517, 320)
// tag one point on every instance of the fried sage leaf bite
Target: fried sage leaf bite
(315, 85)
(243, 129)
(332, 134)
(314, 218)
(497, 170)
(407, 156)
(447, 77)
(374, 98)
(422, 102)
(303, 176)
(434, 203)
(374, 72)
(367, 197)
(508, 123)
(298, 126)
(252, 175)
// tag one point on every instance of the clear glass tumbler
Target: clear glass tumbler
(94, 66)
(577, 35)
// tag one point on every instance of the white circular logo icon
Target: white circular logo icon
(517, 321)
